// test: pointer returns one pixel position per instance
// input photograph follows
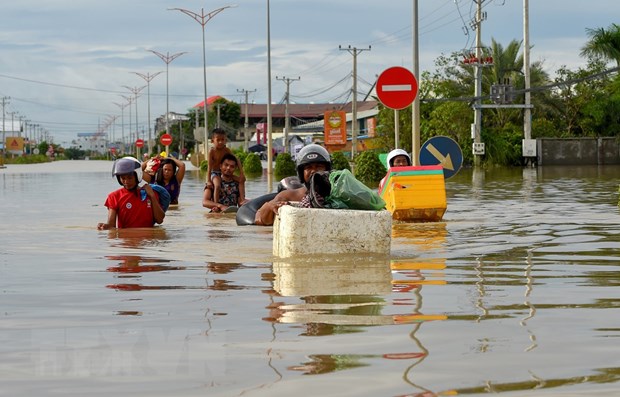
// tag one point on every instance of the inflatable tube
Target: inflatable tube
(289, 183)
(247, 212)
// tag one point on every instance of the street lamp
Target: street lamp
(122, 106)
(202, 19)
(148, 77)
(136, 91)
(167, 59)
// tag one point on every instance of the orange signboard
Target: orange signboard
(335, 127)
(14, 144)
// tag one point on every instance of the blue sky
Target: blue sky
(64, 63)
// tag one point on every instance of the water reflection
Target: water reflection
(137, 237)
(337, 295)
(343, 296)
(130, 264)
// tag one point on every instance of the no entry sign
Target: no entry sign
(397, 87)
(139, 142)
(165, 139)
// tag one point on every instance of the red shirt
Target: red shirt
(131, 211)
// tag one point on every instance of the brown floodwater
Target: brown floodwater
(515, 292)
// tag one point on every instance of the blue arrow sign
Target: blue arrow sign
(442, 150)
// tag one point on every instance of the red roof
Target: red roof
(210, 101)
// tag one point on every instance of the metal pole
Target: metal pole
(269, 143)
(287, 119)
(354, 51)
(415, 108)
(202, 19)
(148, 77)
(167, 60)
(478, 77)
(527, 117)
(246, 122)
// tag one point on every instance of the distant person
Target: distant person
(214, 160)
(310, 159)
(169, 173)
(230, 187)
(395, 158)
(131, 205)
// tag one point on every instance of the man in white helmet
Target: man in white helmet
(131, 205)
(395, 158)
(310, 159)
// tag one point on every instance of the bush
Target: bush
(285, 166)
(252, 164)
(368, 168)
(340, 161)
(204, 165)
(241, 155)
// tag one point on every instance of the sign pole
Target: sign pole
(396, 128)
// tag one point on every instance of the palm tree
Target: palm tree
(604, 44)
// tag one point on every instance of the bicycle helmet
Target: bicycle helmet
(127, 165)
(395, 153)
(312, 153)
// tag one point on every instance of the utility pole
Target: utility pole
(354, 51)
(287, 119)
(5, 101)
(527, 114)
(478, 87)
(246, 121)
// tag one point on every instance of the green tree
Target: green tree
(340, 161)
(285, 166)
(603, 44)
(368, 168)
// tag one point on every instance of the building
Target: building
(91, 142)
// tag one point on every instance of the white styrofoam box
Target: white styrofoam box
(303, 231)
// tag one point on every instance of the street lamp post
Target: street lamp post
(129, 102)
(122, 106)
(167, 59)
(148, 77)
(136, 91)
(202, 19)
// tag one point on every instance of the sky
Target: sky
(65, 64)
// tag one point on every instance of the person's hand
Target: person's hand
(216, 208)
(276, 205)
(149, 191)
(103, 226)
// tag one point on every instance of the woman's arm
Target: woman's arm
(180, 170)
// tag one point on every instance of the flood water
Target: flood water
(515, 293)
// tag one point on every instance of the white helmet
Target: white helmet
(127, 165)
(395, 153)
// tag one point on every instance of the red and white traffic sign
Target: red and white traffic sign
(165, 139)
(139, 142)
(397, 87)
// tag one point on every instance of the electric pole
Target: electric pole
(354, 51)
(246, 121)
(287, 119)
(478, 89)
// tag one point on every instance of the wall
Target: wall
(578, 151)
